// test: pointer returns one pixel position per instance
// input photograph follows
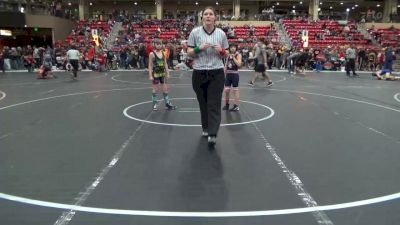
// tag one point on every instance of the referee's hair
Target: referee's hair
(210, 8)
(234, 44)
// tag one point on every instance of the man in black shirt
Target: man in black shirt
(142, 56)
(123, 57)
(361, 58)
(301, 61)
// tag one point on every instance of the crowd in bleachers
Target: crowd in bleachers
(324, 33)
(134, 42)
(175, 31)
(386, 36)
(40, 7)
(327, 43)
(26, 57)
(82, 34)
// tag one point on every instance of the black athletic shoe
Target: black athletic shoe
(235, 108)
(226, 107)
(170, 106)
(212, 140)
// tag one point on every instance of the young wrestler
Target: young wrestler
(233, 62)
(159, 74)
(385, 74)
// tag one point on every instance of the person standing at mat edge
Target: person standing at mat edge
(208, 45)
(73, 56)
(159, 74)
(2, 61)
(233, 62)
(261, 63)
(351, 61)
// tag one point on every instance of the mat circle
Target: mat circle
(271, 114)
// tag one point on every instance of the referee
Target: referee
(208, 46)
(73, 57)
(351, 61)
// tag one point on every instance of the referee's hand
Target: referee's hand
(204, 46)
(218, 47)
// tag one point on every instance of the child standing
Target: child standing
(159, 74)
(233, 62)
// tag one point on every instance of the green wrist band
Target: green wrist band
(197, 50)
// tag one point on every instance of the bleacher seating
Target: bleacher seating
(242, 33)
(103, 29)
(387, 37)
(295, 27)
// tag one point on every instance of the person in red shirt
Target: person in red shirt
(381, 59)
(90, 54)
(29, 62)
(149, 49)
(102, 58)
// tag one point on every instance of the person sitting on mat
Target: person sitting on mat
(385, 74)
(46, 68)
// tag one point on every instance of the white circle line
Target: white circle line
(125, 112)
(397, 97)
(337, 97)
(199, 214)
(283, 79)
(71, 94)
(3, 95)
(51, 81)
(124, 81)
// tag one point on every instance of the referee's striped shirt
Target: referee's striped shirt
(209, 59)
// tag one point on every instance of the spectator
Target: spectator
(389, 57)
(2, 61)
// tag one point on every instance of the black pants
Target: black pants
(209, 85)
(2, 65)
(170, 63)
(361, 63)
(350, 65)
(38, 62)
(75, 66)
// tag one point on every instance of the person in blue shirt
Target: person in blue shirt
(385, 74)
